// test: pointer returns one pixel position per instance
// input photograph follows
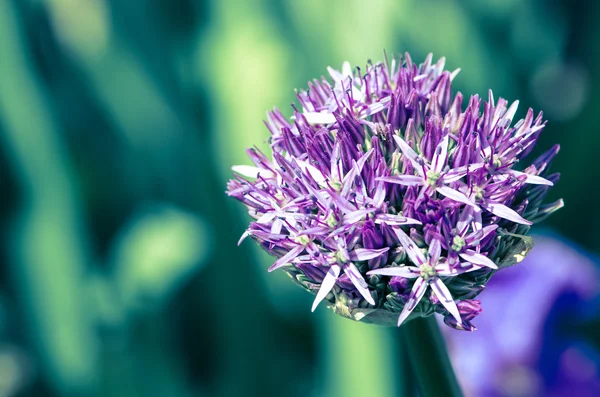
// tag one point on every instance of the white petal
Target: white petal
(463, 221)
(446, 270)
(267, 217)
(435, 250)
(455, 195)
(397, 271)
(335, 162)
(319, 117)
(457, 173)
(475, 237)
(346, 69)
(445, 297)
(251, 171)
(361, 161)
(359, 282)
(276, 226)
(406, 180)
(364, 254)
(441, 155)
(416, 294)
(335, 74)
(478, 259)
(477, 220)
(376, 107)
(287, 258)
(530, 178)
(396, 220)
(454, 74)
(313, 171)
(356, 216)
(414, 253)
(243, 237)
(328, 282)
(407, 150)
(379, 196)
(357, 167)
(504, 212)
(510, 113)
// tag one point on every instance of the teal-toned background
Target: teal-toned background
(119, 120)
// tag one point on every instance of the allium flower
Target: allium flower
(387, 200)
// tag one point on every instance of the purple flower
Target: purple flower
(385, 198)
(532, 327)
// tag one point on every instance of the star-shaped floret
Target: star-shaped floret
(467, 244)
(344, 260)
(427, 270)
(486, 197)
(435, 176)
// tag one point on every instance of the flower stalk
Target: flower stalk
(429, 358)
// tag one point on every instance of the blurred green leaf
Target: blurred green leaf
(156, 252)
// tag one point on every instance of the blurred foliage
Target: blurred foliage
(118, 123)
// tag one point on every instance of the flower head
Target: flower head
(387, 200)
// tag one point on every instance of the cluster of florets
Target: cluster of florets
(385, 198)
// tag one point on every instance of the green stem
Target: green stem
(406, 385)
(429, 358)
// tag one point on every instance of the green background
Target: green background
(119, 121)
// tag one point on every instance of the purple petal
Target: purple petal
(327, 284)
(504, 212)
(416, 294)
(414, 253)
(363, 254)
(287, 258)
(445, 297)
(400, 271)
(406, 180)
(455, 195)
(478, 259)
(359, 282)
(465, 326)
